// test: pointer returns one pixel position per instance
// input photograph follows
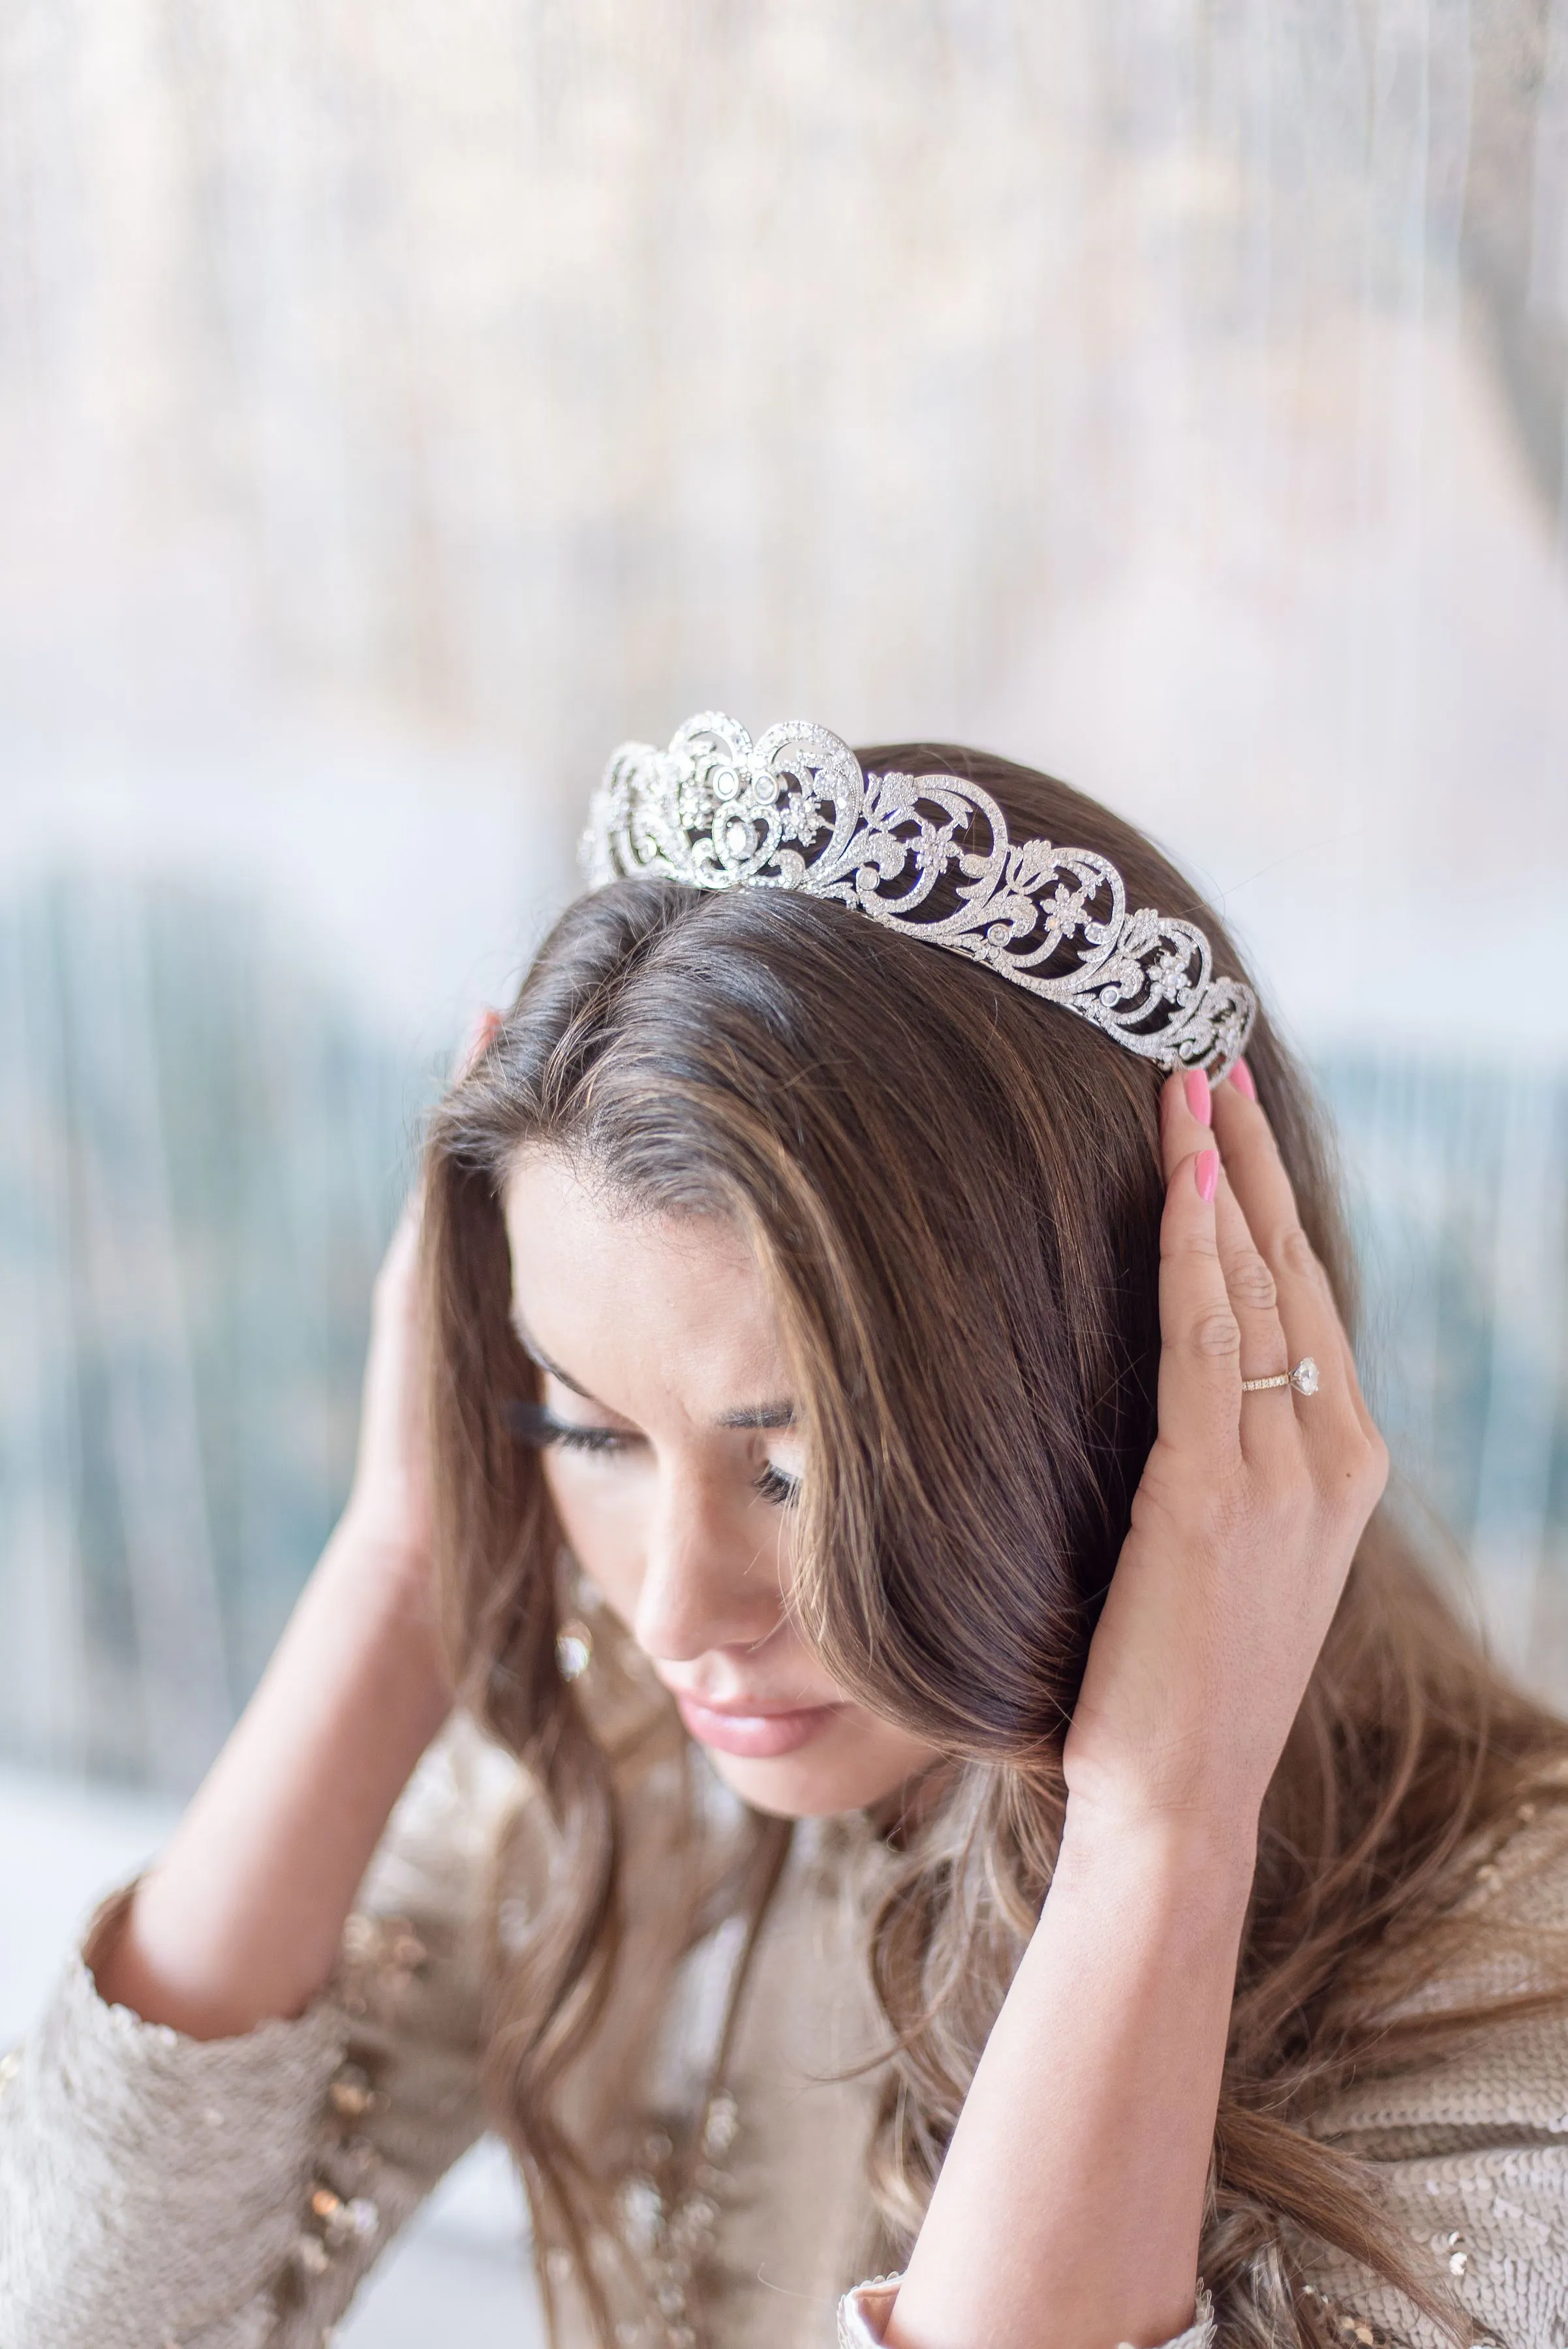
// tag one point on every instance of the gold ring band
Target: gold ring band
(1304, 1378)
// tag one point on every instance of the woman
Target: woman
(970, 1784)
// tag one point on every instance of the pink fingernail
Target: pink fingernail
(1195, 1085)
(1207, 1170)
(480, 1036)
(1241, 1078)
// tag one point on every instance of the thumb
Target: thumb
(486, 1027)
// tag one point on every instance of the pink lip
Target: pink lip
(755, 1731)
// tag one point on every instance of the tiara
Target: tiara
(795, 811)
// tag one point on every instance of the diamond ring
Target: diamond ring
(1304, 1378)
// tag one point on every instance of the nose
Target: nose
(711, 1573)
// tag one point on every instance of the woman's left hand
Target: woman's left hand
(1069, 2209)
(1250, 1505)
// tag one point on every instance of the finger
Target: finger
(395, 1280)
(1268, 1426)
(1308, 1315)
(1269, 1433)
(1199, 1356)
(1358, 1401)
(487, 1025)
(1186, 1109)
(1251, 1286)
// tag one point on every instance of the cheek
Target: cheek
(602, 1522)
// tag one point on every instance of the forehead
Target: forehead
(648, 1313)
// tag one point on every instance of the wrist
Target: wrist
(374, 1550)
(1176, 1856)
(366, 1635)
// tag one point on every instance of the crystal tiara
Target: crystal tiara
(795, 811)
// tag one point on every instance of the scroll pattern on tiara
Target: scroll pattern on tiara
(794, 811)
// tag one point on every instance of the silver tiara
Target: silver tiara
(795, 811)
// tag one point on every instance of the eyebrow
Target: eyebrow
(759, 1414)
(756, 1415)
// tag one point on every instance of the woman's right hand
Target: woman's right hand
(389, 1506)
(389, 1502)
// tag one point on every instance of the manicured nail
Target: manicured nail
(1207, 1170)
(1195, 1085)
(480, 1036)
(1241, 1078)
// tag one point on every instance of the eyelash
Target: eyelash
(774, 1485)
(561, 1435)
(534, 1424)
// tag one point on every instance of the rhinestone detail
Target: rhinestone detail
(795, 811)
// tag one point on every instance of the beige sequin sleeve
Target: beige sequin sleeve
(864, 2315)
(1468, 2154)
(156, 2191)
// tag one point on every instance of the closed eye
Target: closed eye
(535, 1423)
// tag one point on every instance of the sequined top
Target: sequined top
(234, 2194)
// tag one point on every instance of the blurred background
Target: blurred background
(400, 404)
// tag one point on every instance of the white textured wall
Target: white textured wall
(397, 406)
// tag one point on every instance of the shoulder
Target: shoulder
(1467, 2138)
(1522, 1878)
(1510, 1954)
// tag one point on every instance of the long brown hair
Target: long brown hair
(955, 1190)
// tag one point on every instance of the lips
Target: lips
(754, 1728)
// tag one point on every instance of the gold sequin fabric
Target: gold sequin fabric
(235, 2195)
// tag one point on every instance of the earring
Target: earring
(574, 1650)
